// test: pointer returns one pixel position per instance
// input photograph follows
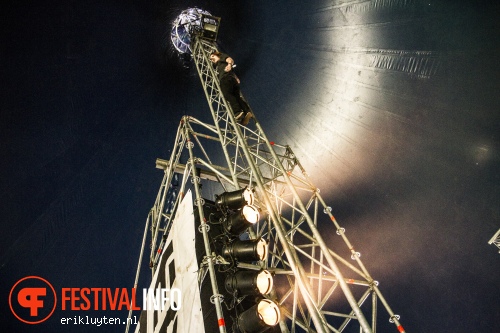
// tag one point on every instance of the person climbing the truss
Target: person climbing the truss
(230, 86)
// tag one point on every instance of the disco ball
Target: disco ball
(189, 20)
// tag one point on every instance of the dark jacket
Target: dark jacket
(221, 64)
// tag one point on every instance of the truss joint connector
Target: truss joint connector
(202, 226)
(393, 318)
(216, 296)
(199, 201)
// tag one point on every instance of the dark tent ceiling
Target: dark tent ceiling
(391, 105)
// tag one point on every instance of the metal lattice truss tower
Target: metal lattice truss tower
(320, 287)
(495, 240)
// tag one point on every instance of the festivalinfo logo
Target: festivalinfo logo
(33, 299)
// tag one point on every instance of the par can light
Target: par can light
(251, 214)
(250, 282)
(236, 199)
(242, 219)
(246, 250)
(259, 317)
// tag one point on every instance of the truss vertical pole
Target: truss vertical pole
(210, 258)
(136, 281)
(158, 208)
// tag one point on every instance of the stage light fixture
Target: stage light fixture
(249, 282)
(246, 250)
(209, 27)
(259, 317)
(236, 199)
(251, 214)
(236, 223)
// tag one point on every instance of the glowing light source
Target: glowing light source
(242, 219)
(259, 317)
(250, 282)
(269, 312)
(246, 250)
(251, 214)
(236, 199)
